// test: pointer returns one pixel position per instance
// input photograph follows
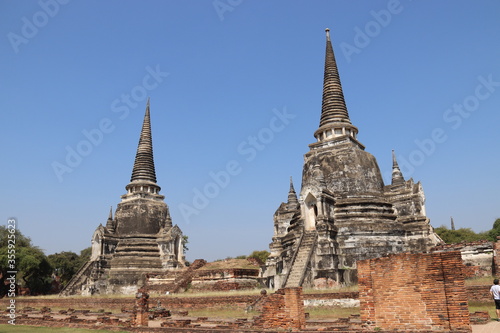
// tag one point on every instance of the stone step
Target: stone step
(301, 259)
(137, 250)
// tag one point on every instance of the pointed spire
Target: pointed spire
(452, 223)
(293, 202)
(144, 168)
(109, 223)
(397, 175)
(318, 175)
(143, 181)
(334, 122)
(333, 108)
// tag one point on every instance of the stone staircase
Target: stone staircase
(174, 281)
(182, 281)
(137, 253)
(302, 256)
(76, 280)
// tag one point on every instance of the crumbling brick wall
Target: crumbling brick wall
(414, 292)
(284, 310)
(496, 256)
(477, 257)
(141, 308)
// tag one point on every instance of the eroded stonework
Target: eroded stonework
(139, 240)
(344, 212)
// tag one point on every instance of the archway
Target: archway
(96, 247)
(311, 212)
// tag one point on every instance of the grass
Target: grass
(320, 312)
(330, 312)
(483, 306)
(243, 292)
(481, 280)
(228, 264)
(97, 310)
(35, 329)
(249, 292)
(56, 296)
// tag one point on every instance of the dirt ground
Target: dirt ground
(492, 327)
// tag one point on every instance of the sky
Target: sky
(235, 89)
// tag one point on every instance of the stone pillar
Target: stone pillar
(141, 308)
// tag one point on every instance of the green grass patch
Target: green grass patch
(76, 296)
(330, 312)
(483, 306)
(229, 264)
(250, 292)
(319, 312)
(35, 329)
(481, 280)
(243, 292)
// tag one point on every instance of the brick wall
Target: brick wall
(414, 292)
(474, 293)
(282, 310)
(477, 257)
(127, 303)
(496, 257)
(479, 293)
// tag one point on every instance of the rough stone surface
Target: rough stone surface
(478, 257)
(344, 212)
(139, 240)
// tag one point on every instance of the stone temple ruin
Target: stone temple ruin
(139, 240)
(344, 212)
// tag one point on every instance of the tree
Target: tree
(185, 241)
(84, 256)
(31, 264)
(34, 269)
(260, 255)
(460, 235)
(495, 232)
(64, 265)
(21, 240)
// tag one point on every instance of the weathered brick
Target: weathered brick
(414, 291)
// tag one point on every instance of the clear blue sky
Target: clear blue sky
(420, 77)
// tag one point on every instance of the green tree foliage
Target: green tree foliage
(495, 232)
(462, 235)
(260, 255)
(34, 269)
(31, 264)
(64, 265)
(85, 255)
